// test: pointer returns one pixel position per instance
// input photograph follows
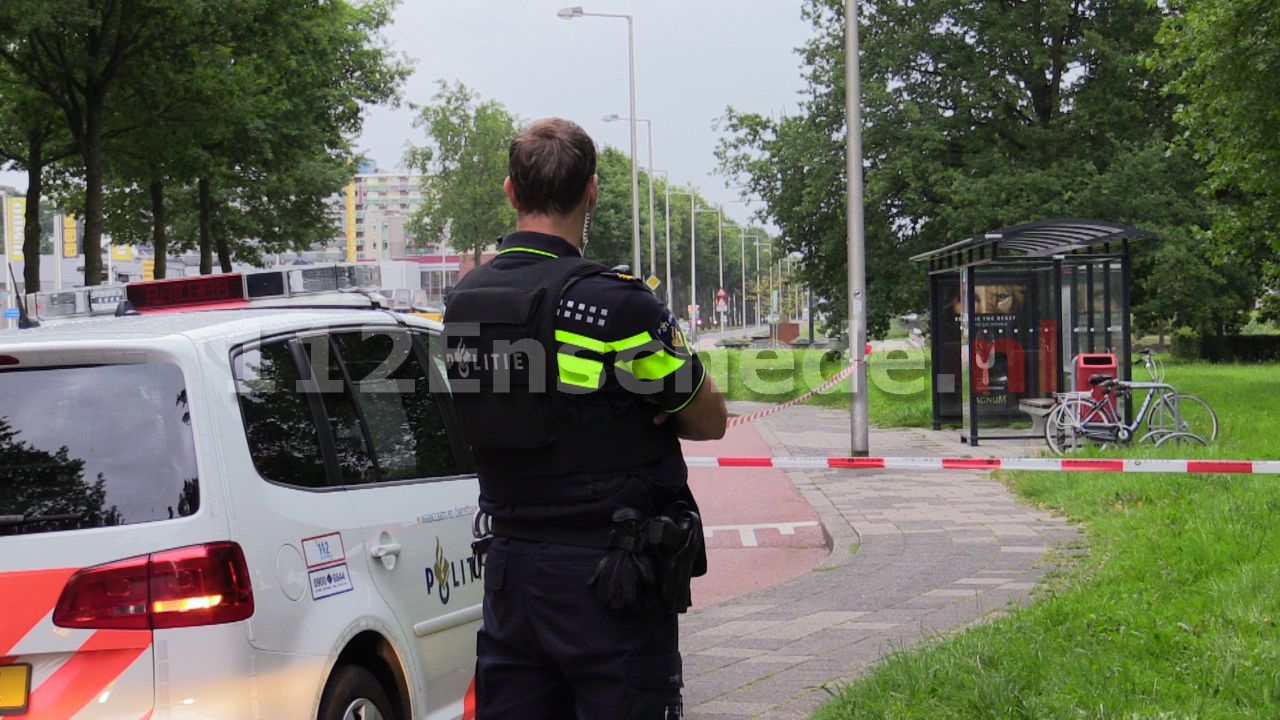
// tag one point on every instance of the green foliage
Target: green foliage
(257, 101)
(463, 168)
(977, 115)
(610, 233)
(1185, 344)
(1167, 610)
(1225, 56)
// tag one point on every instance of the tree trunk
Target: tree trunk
(159, 242)
(224, 252)
(206, 227)
(93, 190)
(31, 220)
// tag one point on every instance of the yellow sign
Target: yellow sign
(148, 269)
(15, 224)
(653, 282)
(70, 241)
(351, 222)
(15, 685)
(121, 252)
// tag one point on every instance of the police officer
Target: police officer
(574, 385)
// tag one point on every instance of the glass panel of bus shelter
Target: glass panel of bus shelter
(947, 358)
(1114, 271)
(1014, 339)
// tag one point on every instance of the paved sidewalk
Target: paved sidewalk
(914, 554)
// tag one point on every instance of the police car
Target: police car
(257, 510)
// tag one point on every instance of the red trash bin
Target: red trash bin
(1089, 364)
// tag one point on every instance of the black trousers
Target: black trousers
(550, 650)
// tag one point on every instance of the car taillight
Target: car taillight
(196, 585)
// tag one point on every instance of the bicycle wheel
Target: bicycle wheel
(1180, 439)
(1063, 430)
(1182, 413)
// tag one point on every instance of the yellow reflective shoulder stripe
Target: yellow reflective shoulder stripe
(656, 365)
(632, 342)
(582, 341)
(580, 371)
(651, 367)
(604, 346)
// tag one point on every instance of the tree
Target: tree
(74, 53)
(463, 168)
(1225, 58)
(31, 138)
(977, 115)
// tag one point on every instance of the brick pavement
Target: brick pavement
(913, 555)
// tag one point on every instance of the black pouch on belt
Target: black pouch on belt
(622, 576)
(676, 541)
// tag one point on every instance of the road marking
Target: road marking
(747, 533)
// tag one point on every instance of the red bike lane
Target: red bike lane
(760, 531)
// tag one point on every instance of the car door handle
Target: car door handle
(387, 550)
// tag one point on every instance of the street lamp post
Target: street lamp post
(719, 234)
(759, 298)
(755, 238)
(653, 244)
(570, 13)
(666, 214)
(693, 266)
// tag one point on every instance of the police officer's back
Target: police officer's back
(573, 385)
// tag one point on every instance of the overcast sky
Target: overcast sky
(693, 59)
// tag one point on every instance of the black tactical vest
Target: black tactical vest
(500, 356)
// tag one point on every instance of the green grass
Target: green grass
(1172, 611)
(898, 380)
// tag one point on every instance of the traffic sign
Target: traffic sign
(12, 313)
(653, 282)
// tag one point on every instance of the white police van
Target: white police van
(257, 510)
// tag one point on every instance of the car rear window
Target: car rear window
(91, 446)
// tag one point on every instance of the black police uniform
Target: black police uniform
(549, 647)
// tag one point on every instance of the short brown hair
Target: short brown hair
(550, 164)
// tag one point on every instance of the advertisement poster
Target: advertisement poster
(15, 226)
(998, 357)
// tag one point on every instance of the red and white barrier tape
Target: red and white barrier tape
(1146, 465)
(751, 417)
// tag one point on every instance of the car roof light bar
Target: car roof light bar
(225, 289)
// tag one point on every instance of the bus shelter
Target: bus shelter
(1011, 313)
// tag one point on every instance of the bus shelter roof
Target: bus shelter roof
(1034, 240)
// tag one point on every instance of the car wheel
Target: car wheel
(353, 693)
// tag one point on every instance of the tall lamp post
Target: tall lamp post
(570, 13)
(759, 296)
(719, 234)
(653, 245)
(693, 265)
(666, 214)
(857, 252)
(755, 237)
(739, 309)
